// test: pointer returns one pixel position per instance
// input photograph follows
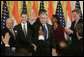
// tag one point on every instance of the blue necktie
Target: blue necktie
(45, 30)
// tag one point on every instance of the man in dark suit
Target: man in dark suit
(9, 29)
(77, 46)
(49, 40)
(24, 33)
(72, 30)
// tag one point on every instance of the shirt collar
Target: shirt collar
(24, 24)
(77, 20)
(44, 24)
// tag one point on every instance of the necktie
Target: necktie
(75, 24)
(24, 31)
(45, 30)
(13, 32)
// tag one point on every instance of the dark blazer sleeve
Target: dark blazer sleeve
(52, 40)
(7, 51)
(72, 28)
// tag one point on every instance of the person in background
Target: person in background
(57, 29)
(24, 33)
(77, 19)
(77, 46)
(48, 34)
(9, 29)
(63, 48)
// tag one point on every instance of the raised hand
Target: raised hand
(6, 39)
(33, 16)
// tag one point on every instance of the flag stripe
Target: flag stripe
(69, 10)
(34, 9)
(15, 12)
(50, 11)
(59, 13)
(69, 15)
(5, 15)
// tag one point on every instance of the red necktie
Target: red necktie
(75, 24)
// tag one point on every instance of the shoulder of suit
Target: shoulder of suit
(28, 22)
(48, 24)
(80, 20)
(4, 29)
(73, 21)
(17, 26)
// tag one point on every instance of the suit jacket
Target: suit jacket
(74, 36)
(21, 40)
(35, 29)
(6, 51)
(43, 45)
(77, 47)
(12, 40)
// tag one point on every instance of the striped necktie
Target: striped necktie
(45, 30)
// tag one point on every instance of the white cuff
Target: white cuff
(7, 45)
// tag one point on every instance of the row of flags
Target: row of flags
(15, 15)
(68, 21)
(59, 12)
(5, 15)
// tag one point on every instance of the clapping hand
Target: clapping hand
(69, 31)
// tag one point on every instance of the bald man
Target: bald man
(9, 29)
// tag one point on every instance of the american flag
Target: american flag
(77, 6)
(59, 13)
(24, 7)
(41, 5)
(5, 15)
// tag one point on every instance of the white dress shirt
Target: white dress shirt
(23, 26)
(77, 20)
